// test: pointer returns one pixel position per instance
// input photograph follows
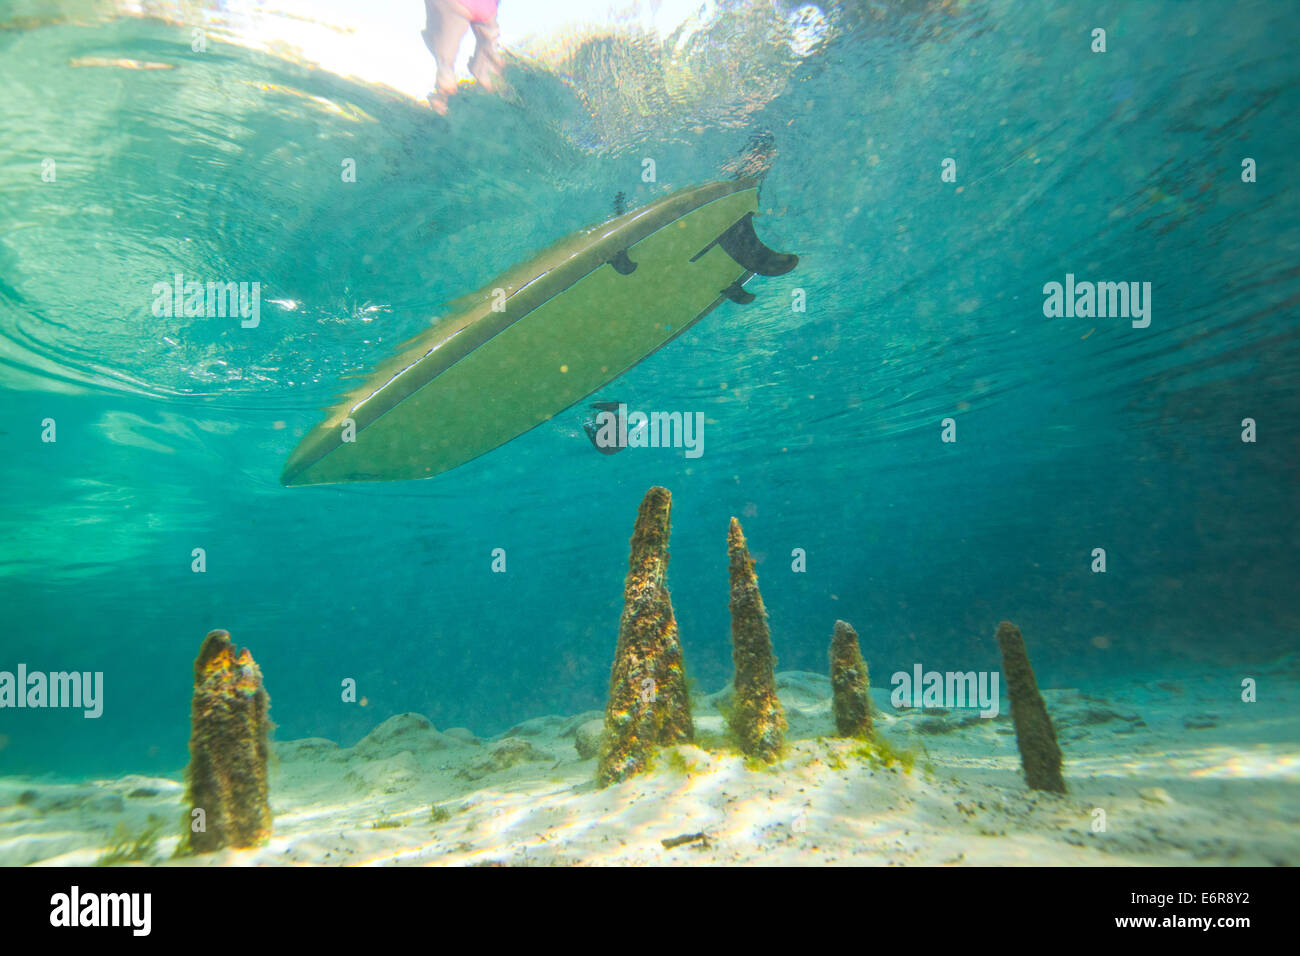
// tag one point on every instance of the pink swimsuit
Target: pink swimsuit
(480, 11)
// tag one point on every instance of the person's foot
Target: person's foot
(446, 81)
(485, 70)
(445, 86)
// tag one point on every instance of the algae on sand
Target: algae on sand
(132, 846)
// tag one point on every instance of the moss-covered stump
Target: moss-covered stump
(756, 716)
(1040, 755)
(226, 778)
(850, 684)
(649, 705)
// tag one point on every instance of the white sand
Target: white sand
(1224, 793)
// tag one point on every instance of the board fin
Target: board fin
(622, 264)
(593, 430)
(742, 244)
(736, 291)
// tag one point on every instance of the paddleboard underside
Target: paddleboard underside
(565, 324)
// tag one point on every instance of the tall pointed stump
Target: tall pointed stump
(756, 718)
(850, 684)
(1040, 755)
(649, 705)
(226, 777)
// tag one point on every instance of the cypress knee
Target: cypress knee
(757, 718)
(1040, 755)
(649, 705)
(850, 684)
(229, 726)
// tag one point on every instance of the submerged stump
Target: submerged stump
(756, 717)
(1040, 755)
(850, 684)
(226, 777)
(649, 705)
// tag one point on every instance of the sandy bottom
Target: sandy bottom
(1182, 772)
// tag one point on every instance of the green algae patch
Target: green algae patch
(133, 846)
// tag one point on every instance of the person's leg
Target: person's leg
(486, 62)
(446, 26)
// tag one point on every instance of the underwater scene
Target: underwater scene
(649, 433)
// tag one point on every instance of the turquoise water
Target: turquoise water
(924, 302)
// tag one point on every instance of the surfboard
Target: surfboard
(542, 337)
